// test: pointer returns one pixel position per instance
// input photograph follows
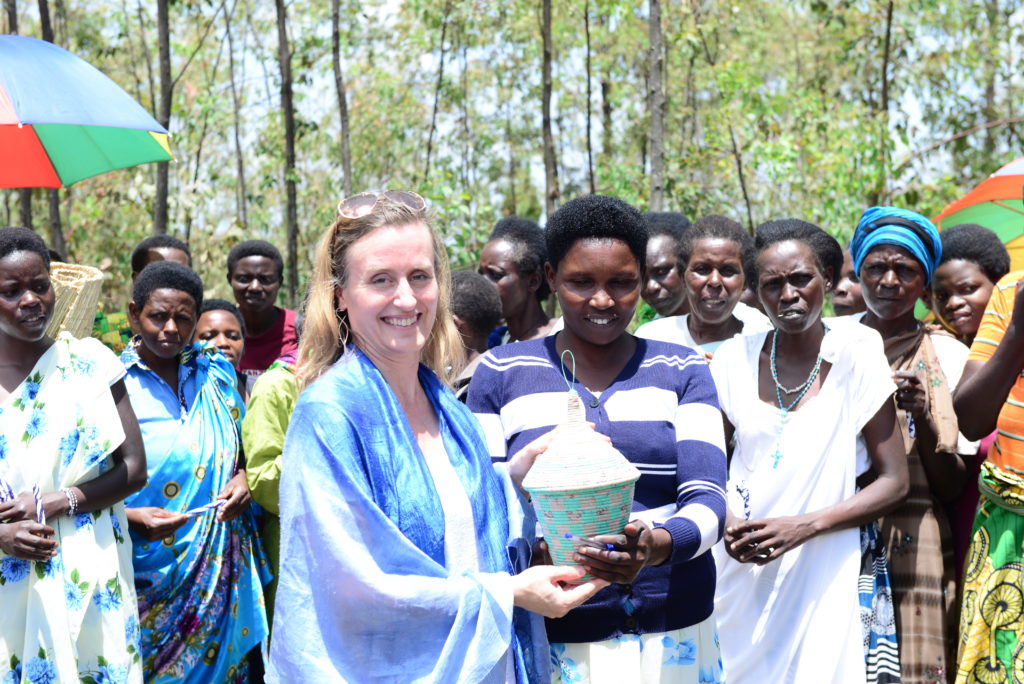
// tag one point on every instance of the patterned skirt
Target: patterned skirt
(920, 554)
(681, 656)
(878, 618)
(991, 647)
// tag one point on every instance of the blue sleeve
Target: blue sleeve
(485, 399)
(699, 520)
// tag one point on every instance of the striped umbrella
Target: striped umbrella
(62, 120)
(997, 204)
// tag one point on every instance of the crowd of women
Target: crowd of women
(246, 493)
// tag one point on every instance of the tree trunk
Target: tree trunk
(287, 106)
(883, 111)
(590, 145)
(339, 84)
(467, 133)
(991, 66)
(24, 194)
(656, 105)
(140, 13)
(550, 164)
(437, 90)
(743, 179)
(241, 192)
(512, 165)
(11, 10)
(57, 242)
(163, 114)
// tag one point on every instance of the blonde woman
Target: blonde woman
(397, 567)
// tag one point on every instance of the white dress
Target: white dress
(796, 619)
(675, 329)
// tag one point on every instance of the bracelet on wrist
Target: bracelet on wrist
(72, 501)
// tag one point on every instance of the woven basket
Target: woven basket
(580, 487)
(77, 290)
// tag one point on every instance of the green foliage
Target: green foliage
(792, 91)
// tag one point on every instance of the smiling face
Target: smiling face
(892, 281)
(166, 322)
(598, 285)
(847, 298)
(498, 264)
(255, 282)
(26, 296)
(390, 293)
(791, 285)
(221, 328)
(960, 293)
(714, 279)
(663, 286)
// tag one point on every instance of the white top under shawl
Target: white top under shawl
(797, 619)
(675, 329)
(460, 552)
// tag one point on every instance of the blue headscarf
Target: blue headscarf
(874, 229)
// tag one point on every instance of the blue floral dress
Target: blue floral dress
(73, 618)
(200, 589)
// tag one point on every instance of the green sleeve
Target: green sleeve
(263, 429)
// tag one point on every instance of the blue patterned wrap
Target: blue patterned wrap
(200, 590)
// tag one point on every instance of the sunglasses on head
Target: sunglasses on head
(365, 202)
(919, 231)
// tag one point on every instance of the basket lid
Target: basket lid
(578, 458)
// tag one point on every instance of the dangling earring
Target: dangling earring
(343, 331)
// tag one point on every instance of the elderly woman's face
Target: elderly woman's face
(790, 285)
(26, 296)
(166, 322)
(391, 291)
(714, 279)
(892, 281)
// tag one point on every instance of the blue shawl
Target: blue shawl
(200, 590)
(364, 594)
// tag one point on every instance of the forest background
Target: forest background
(756, 110)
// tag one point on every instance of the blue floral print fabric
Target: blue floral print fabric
(73, 618)
(200, 590)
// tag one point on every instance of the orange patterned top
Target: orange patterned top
(1008, 450)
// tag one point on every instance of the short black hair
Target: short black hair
(475, 300)
(223, 305)
(669, 223)
(140, 255)
(16, 239)
(715, 226)
(249, 248)
(971, 242)
(167, 275)
(827, 252)
(596, 216)
(530, 252)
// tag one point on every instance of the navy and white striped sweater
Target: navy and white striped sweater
(662, 413)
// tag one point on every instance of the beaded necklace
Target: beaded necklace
(779, 389)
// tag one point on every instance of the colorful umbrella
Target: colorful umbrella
(62, 120)
(997, 204)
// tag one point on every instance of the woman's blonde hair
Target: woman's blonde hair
(326, 333)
